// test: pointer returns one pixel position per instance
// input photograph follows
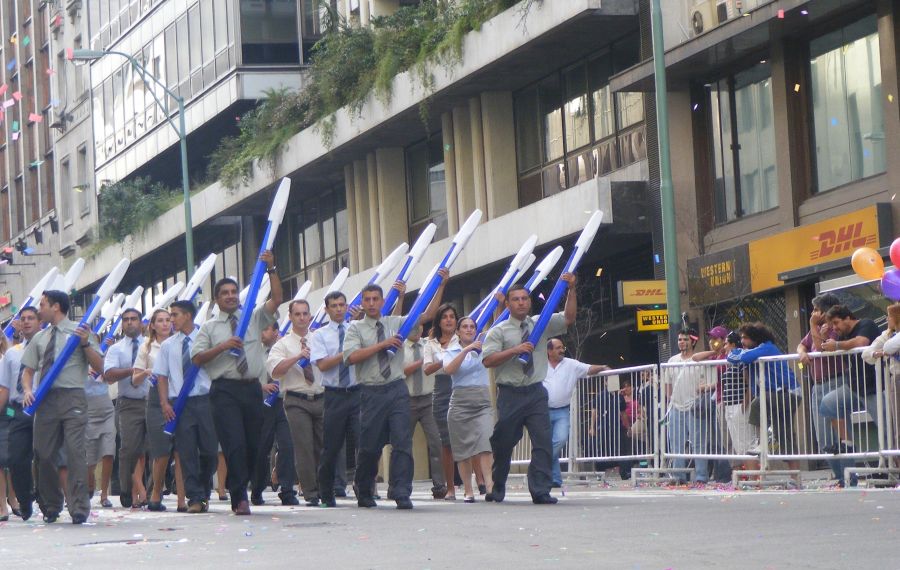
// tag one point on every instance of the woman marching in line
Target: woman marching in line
(471, 418)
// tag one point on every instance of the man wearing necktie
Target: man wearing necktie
(236, 395)
(421, 386)
(384, 398)
(21, 427)
(521, 396)
(340, 408)
(303, 406)
(131, 403)
(195, 434)
(62, 418)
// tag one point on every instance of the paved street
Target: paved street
(592, 527)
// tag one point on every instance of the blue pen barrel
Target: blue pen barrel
(540, 326)
(393, 295)
(273, 397)
(9, 331)
(356, 302)
(250, 301)
(422, 301)
(181, 401)
(107, 340)
(154, 380)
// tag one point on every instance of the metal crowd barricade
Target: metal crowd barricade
(611, 424)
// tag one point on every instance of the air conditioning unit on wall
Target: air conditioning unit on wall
(703, 17)
(728, 9)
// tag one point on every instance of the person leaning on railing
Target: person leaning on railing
(779, 383)
(888, 345)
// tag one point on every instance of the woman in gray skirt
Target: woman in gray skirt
(159, 444)
(471, 418)
(443, 335)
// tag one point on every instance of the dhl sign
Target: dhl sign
(633, 293)
(835, 238)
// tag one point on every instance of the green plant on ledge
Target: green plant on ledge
(128, 206)
(348, 64)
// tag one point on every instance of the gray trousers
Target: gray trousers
(306, 418)
(421, 412)
(132, 415)
(197, 447)
(61, 421)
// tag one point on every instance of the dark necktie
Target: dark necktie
(528, 367)
(242, 359)
(384, 362)
(49, 353)
(344, 373)
(418, 375)
(134, 349)
(185, 355)
(19, 380)
(307, 370)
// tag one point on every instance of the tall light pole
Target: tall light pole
(666, 191)
(95, 54)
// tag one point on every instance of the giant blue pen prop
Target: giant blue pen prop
(320, 315)
(276, 215)
(302, 292)
(190, 378)
(540, 273)
(103, 294)
(131, 302)
(412, 259)
(108, 310)
(515, 278)
(556, 295)
(381, 272)
(427, 293)
(32, 297)
(515, 266)
(196, 282)
(164, 301)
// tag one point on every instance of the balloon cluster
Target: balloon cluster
(867, 263)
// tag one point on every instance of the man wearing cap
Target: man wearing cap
(562, 374)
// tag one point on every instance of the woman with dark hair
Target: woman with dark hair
(443, 335)
(470, 417)
(159, 444)
(778, 382)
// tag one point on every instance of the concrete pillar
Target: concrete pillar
(374, 218)
(363, 224)
(450, 173)
(364, 12)
(392, 205)
(791, 142)
(477, 132)
(890, 59)
(462, 143)
(350, 195)
(501, 181)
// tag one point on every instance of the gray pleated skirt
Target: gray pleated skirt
(471, 421)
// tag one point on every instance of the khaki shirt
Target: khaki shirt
(362, 334)
(409, 358)
(75, 371)
(509, 334)
(294, 380)
(218, 330)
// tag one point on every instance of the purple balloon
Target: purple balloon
(890, 284)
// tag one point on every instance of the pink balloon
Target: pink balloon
(895, 252)
(890, 284)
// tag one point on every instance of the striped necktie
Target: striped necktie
(384, 362)
(49, 352)
(185, 355)
(242, 359)
(528, 367)
(418, 375)
(134, 349)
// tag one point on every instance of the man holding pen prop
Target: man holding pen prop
(520, 371)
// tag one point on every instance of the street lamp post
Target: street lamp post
(93, 55)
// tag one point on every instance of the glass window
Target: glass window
(208, 30)
(578, 133)
(311, 237)
(221, 28)
(184, 64)
(743, 144)
(528, 131)
(65, 191)
(269, 33)
(194, 36)
(845, 72)
(426, 187)
(550, 98)
(599, 70)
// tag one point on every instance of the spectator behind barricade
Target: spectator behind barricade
(606, 428)
(858, 390)
(826, 373)
(735, 379)
(715, 408)
(686, 422)
(889, 347)
(778, 381)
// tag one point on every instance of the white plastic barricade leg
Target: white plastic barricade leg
(885, 473)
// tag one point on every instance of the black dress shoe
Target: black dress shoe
(156, 506)
(79, 518)
(257, 499)
(288, 499)
(366, 503)
(25, 511)
(50, 518)
(314, 502)
(125, 500)
(544, 500)
(404, 504)
(496, 495)
(482, 489)
(328, 503)
(340, 493)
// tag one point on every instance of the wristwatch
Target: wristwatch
(272, 269)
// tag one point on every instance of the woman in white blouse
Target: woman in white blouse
(471, 418)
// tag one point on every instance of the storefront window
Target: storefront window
(426, 187)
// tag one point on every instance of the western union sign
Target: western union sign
(653, 320)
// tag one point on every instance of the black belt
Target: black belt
(15, 405)
(239, 379)
(561, 407)
(353, 388)
(302, 396)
